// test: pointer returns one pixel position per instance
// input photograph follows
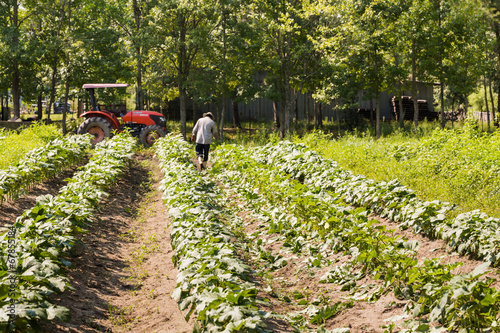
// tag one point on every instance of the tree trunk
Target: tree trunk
(52, 86)
(276, 111)
(140, 94)
(182, 74)
(66, 97)
(3, 111)
(377, 116)
(320, 115)
(498, 103)
(414, 90)
(307, 111)
(337, 112)
(287, 101)
(138, 53)
(493, 116)
(441, 97)
(54, 67)
(296, 109)
(223, 90)
(496, 28)
(371, 112)
(282, 119)
(486, 102)
(195, 116)
(496, 121)
(315, 115)
(236, 115)
(441, 54)
(15, 63)
(286, 123)
(221, 119)
(66, 93)
(65, 108)
(217, 116)
(15, 90)
(401, 113)
(39, 108)
(286, 109)
(182, 102)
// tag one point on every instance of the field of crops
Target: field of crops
(458, 166)
(274, 238)
(35, 246)
(292, 215)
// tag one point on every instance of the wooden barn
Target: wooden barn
(262, 108)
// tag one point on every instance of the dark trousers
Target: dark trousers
(202, 150)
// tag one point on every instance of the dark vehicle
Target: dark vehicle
(148, 126)
(59, 107)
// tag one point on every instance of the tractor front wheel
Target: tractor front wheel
(150, 134)
(100, 128)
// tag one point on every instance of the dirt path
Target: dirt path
(123, 274)
(297, 281)
(438, 248)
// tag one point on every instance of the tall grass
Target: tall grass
(14, 145)
(258, 133)
(461, 166)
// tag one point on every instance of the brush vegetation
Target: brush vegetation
(15, 145)
(460, 166)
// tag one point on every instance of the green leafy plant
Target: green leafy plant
(42, 163)
(34, 247)
(374, 251)
(212, 281)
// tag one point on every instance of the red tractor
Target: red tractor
(148, 126)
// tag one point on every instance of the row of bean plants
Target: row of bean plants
(212, 281)
(460, 165)
(468, 233)
(433, 292)
(297, 218)
(34, 248)
(42, 163)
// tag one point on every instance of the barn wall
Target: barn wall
(262, 108)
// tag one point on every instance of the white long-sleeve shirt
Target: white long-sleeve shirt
(204, 129)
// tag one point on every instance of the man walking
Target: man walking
(204, 129)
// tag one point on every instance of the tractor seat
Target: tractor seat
(116, 112)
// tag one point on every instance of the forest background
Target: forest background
(209, 51)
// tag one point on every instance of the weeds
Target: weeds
(121, 316)
(458, 166)
(14, 146)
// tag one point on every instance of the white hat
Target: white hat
(208, 114)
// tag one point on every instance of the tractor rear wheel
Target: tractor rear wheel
(100, 128)
(150, 134)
